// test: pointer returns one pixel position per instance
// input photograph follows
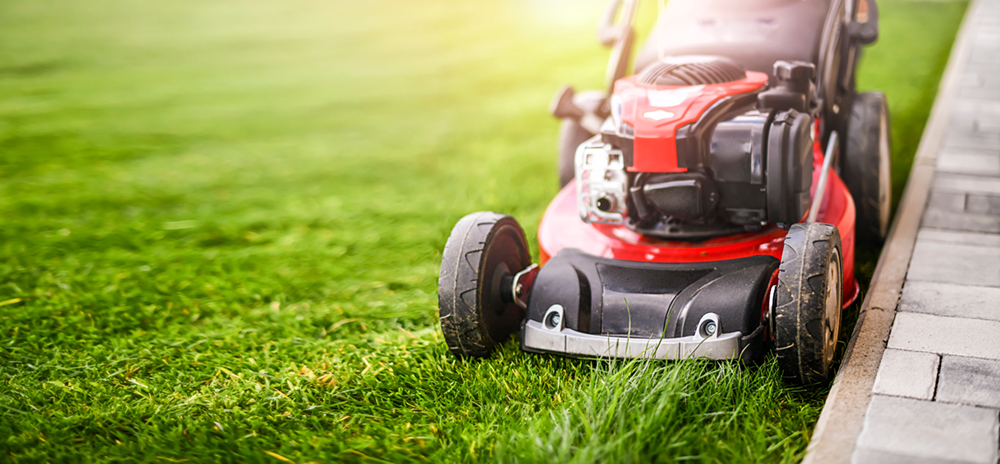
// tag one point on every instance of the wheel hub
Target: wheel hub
(831, 324)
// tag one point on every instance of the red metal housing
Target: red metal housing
(656, 112)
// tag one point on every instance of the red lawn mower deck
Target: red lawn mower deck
(703, 212)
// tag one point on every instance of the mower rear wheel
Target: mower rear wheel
(806, 316)
(485, 250)
(866, 166)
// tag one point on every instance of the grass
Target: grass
(222, 224)
(643, 411)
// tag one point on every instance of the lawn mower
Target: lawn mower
(710, 202)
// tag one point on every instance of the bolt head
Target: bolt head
(710, 328)
(552, 321)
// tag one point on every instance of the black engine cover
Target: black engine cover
(758, 169)
(789, 167)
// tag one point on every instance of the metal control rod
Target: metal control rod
(824, 175)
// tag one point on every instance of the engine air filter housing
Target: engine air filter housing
(692, 70)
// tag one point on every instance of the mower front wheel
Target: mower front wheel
(483, 253)
(806, 316)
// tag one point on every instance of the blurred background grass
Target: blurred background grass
(222, 225)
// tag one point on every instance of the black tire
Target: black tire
(806, 319)
(482, 250)
(866, 166)
(571, 135)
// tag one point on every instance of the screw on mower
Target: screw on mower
(710, 328)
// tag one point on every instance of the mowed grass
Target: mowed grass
(222, 224)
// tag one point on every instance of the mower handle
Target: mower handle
(864, 27)
(619, 36)
(607, 31)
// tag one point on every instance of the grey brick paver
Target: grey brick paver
(970, 163)
(955, 263)
(987, 37)
(974, 338)
(970, 381)
(951, 236)
(974, 107)
(983, 204)
(970, 184)
(988, 151)
(988, 123)
(907, 430)
(948, 201)
(973, 123)
(939, 218)
(967, 141)
(907, 373)
(981, 92)
(867, 456)
(951, 300)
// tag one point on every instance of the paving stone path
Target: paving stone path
(936, 397)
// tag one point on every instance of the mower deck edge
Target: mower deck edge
(567, 342)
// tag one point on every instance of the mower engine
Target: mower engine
(695, 148)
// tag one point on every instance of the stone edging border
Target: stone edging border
(840, 423)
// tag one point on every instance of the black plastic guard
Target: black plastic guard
(665, 300)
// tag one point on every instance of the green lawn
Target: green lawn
(222, 224)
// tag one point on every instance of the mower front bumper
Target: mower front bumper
(538, 337)
(584, 305)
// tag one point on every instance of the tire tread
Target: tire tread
(799, 313)
(458, 312)
(860, 163)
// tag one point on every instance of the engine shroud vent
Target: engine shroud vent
(692, 70)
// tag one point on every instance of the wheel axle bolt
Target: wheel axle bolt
(518, 289)
(710, 328)
(554, 319)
